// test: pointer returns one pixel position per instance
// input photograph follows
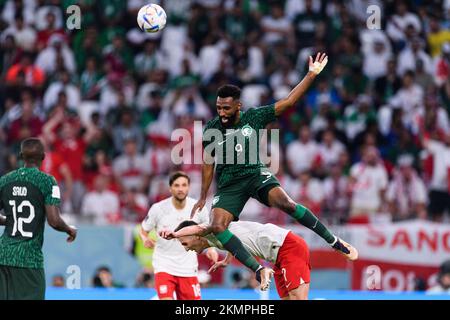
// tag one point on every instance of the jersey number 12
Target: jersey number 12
(19, 222)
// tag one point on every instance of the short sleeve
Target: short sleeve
(149, 222)
(53, 194)
(262, 116)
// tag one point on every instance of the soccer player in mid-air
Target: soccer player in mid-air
(27, 196)
(237, 182)
(287, 251)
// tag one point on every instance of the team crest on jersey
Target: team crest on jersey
(215, 200)
(247, 130)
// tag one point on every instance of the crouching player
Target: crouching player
(287, 251)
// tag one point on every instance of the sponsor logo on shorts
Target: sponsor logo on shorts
(215, 200)
(163, 289)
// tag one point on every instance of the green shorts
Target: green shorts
(233, 197)
(21, 283)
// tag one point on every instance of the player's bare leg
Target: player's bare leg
(278, 198)
(300, 293)
(221, 219)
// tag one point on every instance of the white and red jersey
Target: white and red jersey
(370, 180)
(169, 255)
(261, 240)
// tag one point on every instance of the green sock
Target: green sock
(232, 243)
(305, 217)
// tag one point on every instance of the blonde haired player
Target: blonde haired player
(287, 251)
(175, 269)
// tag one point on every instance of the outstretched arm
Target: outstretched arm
(314, 69)
(56, 222)
(222, 263)
(199, 230)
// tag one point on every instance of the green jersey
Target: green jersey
(236, 149)
(23, 196)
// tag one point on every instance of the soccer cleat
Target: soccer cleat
(264, 276)
(345, 249)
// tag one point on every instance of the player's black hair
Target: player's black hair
(229, 90)
(184, 224)
(32, 150)
(177, 174)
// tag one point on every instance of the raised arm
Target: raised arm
(56, 222)
(314, 69)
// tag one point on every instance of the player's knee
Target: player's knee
(287, 206)
(218, 228)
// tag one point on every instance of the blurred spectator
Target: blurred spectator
(133, 206)
(387, 85)
(307, 23)
(443, 279)
(58, 281)
(276, 26)
(443, 65)
(62, 85)
(357, 115)
(336, 191)
(127, 129)
(25, 73)
(408, 57)
(406, 193)
(329, 149)
(130, 168)
(368, 183)
(302, 153)
(49, 27)
(437, 37)
(103, 278)
(439, 187)
(56, 49)
(398, 23)
(145, 280)
(309, 192)
(24, 35)
(101, 204)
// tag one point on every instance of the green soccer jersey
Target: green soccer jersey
(23, 196)
(236, 149)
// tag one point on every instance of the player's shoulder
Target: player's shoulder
(213, 123)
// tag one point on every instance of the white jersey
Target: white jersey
(261, 240)
(169, 255)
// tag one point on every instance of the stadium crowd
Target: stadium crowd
(370, 140)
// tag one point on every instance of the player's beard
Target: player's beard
(180, 197)
(230, 120)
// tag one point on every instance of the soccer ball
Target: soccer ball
(151, 18)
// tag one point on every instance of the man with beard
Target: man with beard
(241, 175)
(175, 268)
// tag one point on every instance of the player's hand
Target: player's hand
(318, 64)
(198, 206)
(167, 234)
(149, 243)
(72, 232)
(212, 255)
(217, 265)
